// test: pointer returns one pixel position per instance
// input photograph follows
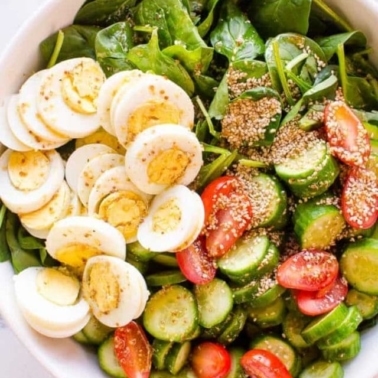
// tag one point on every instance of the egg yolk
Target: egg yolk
(81, 87)
(168, 166)
(102, 287)
(57, 286)
(166, 217)
(149, 114)
(76, 255)
(28, 170)
(124, 210)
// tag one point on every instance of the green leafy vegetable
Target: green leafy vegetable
(4, 249)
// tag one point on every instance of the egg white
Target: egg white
(150, 144)
(46, 317)
(120, 296)
(156, 91)
(93, 170)
(24, 201)
(27, 106)
(175, 219)
(55, 112)
(81, 156)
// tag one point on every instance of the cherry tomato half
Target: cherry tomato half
(317, 303)
(309, 270)
(133, 350)
(346, 135)
(195, 263)
(228, 213)
(359, 198)
(260, 363)
(210, 360)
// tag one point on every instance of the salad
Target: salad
(190, 188)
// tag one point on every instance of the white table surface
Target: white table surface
(15, 360)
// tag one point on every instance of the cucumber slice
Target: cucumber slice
(236, 370)
(317, 225)
(160, 349)
(359, 265)
(323, 325)
(140, 253)
(282, 349)
(293, 325)
(165, 277)
(166, 259)
(242, 261)
(367, 304)
(108, 361)
(171, 313)
(215, 302)
(323, 369)
(269, 316)
(96, 332)
(234, 326)
(345, 349)
(304, 164)
(349, 325)
(177, 357)
(81, 338)
(245, 293)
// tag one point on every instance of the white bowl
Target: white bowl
(64, 358)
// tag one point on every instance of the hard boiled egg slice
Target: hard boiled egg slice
(73, 240)
(67, 99)
(115, 199)
(50, 301)
(108, 92)
(93, 170)
(174, 221)
(152, 100)
(81, 156)
(23, 133)
(52, 211)
(163, 155)
(7, 138)
(29, 179)
(115, 290)
(27, 106)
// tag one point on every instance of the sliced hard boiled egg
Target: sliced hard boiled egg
(115, 199)
(174, 221)
(29, 179)
(163, 155)
(27, 106)
(81, 156)
(93, 170)
(23, 133)
(67, 99)
(52, 211)
(50, 301)
(7, 138)
(150, 101)
(115, 290)
(73, 240)
(108, 93)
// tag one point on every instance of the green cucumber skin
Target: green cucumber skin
(359, 265)
(344, 350)
(293, 325)
(108, 361)
(236, 370)
(270, 316)
(367, 304)
(323, 369)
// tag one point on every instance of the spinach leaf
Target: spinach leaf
(272, 17)
(112, 45)
(4, 249)
(205, 26)
(149, 57)
(103, 12)
(329, 44)
(79, 41)
(322, 90)
(234, 36)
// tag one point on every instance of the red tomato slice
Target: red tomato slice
(210, 360)
(346, 135)
(133, 350)
(312, 303)
(309, 270)
(260, 363)
(359, 198)
(196, 264)
(228, 214)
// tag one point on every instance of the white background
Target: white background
(15, 360)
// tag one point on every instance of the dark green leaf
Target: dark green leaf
(4, 249)
(205, 26)
(322, 90)
(27, 241)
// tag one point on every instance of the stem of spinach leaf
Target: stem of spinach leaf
(281, 73)
(342, 69)
(339, 21)
(57, 48)
(3, 210)
(213, 132)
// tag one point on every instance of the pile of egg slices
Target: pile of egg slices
(127, 180)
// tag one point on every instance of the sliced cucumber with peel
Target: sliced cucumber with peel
(344, 350)
(367, 304)
(323, 369)
(107, 359)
